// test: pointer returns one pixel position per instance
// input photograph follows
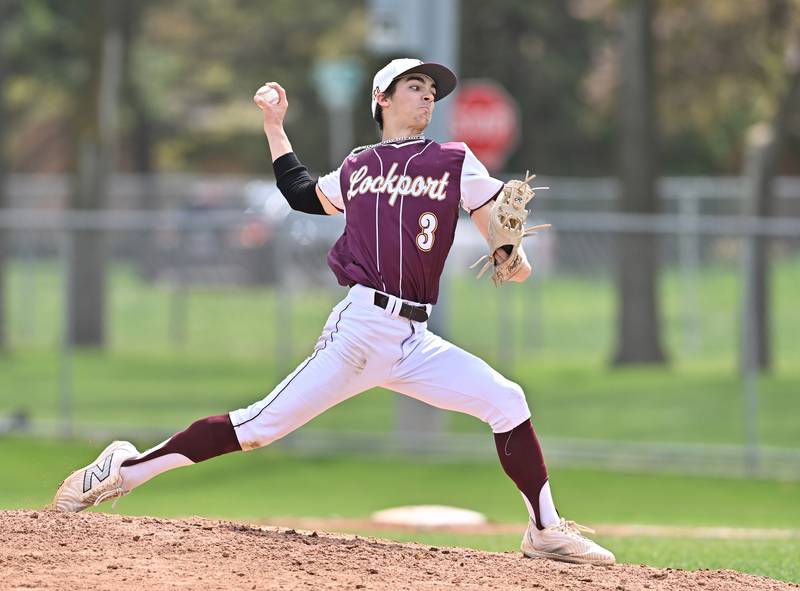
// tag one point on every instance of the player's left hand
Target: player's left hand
(525, 269)
(505, 230)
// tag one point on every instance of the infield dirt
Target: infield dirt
(48, 550)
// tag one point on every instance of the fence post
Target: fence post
(532, 308)
(178, 309)
(506, 352)
(689, 256)
(178, 300)
(27, 282)
(749, 352)
(284, 338)
(65, 354)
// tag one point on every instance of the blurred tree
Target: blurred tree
(96, 127)
(142, 128)
(195, 64)
(198, 63)
(542, 54)
(141, 121)
(6, 17)
(720, 71)
(638, 327)
(23, 26)
(765, 144)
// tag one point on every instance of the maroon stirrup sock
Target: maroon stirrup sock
(522, 459)
(203, 439)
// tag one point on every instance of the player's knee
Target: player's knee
(514, 408)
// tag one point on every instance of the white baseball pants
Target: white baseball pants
(363, 346)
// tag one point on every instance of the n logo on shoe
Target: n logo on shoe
(97, 471)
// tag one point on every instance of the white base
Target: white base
(428, 516)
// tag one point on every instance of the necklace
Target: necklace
(400, 140)
(397, 140)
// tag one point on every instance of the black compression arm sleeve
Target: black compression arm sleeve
(296, 185)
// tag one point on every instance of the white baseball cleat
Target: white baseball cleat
(564, 541)
(95, 483)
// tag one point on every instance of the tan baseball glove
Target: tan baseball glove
(507, 229)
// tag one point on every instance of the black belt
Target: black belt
(417, 313)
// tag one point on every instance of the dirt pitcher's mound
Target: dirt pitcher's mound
(47, 550)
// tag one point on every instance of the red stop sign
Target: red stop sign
(487, 119)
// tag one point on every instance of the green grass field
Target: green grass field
(264, 483)
(235, 348)
(568, 401)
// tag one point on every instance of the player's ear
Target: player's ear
(383, 100)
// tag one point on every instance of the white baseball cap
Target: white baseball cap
(444, 79)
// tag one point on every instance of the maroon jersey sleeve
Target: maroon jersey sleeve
(477, 187)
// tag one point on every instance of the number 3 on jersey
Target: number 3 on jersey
(427, 226)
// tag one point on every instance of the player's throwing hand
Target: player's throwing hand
(271, 99)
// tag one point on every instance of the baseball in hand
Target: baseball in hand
(269, 94)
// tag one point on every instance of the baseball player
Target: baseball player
(401, 200)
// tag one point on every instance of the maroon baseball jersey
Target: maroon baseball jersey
(400, 202)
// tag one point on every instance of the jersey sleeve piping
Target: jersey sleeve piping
(489, 200)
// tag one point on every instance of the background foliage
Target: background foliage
(194, 65)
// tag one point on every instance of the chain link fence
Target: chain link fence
(208, 303)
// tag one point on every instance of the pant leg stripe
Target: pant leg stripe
(297, 373)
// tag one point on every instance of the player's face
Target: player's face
(412, 102)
